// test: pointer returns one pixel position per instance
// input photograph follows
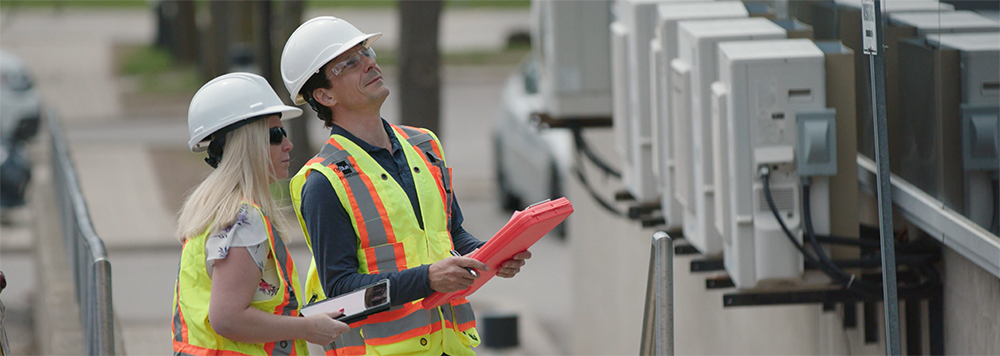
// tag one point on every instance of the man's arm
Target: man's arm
(335, 246)
(464, 242)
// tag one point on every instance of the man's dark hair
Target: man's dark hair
(316, 81)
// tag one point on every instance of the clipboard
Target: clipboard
(523, 230)
(357, 305)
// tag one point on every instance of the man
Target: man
(376, 202)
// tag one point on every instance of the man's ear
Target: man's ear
(324, 97)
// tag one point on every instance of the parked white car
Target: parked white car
(20, 105)
(531, 162)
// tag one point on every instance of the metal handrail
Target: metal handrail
(658, 319)
(88, 258)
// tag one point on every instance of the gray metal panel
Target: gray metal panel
(981, 137)
(817, 148)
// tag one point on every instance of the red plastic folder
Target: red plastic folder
(523, 230)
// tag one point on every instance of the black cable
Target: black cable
(581, 146)
(849, 280)
(593, 194)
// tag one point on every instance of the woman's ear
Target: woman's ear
(324, 97)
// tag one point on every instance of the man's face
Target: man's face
(355, 79)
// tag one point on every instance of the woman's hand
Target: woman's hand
(324, 328)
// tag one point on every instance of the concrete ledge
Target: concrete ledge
(57, 314)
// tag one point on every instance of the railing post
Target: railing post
(88, 258)
(658, 319)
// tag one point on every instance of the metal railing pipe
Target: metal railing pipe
(658, 319)
(88, 257)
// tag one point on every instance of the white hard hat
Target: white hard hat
(312, 45)
(228, 99)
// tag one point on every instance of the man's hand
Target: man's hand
(509, 268)
(449, 275)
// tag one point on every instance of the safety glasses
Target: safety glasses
(352, 61)
(278, 135)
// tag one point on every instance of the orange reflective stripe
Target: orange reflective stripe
(289, 305)
(403, 328)
(179, 327)
(365, 202)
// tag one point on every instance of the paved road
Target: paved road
(117, 157)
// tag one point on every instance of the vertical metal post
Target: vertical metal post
(658, 318)
(871, 18)
(663, 248)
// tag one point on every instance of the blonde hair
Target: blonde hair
(243, 176)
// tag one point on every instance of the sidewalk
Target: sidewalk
(134, 170)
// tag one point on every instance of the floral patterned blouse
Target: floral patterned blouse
(250, 232)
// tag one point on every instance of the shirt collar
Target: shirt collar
(393, 142)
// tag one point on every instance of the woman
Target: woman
(237, 287)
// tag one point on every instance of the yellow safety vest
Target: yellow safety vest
(192, 331)
(390, 239)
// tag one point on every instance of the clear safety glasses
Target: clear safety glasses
(352, 61)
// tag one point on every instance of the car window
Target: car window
(529, 70)
(16, 80)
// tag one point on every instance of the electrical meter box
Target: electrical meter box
(571, 41)
(951, 142)
(766, 90)
(663, 51)
(639, 18)
(697, 43)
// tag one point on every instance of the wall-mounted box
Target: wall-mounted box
(698, 47)
(662, 89)
(767, 84)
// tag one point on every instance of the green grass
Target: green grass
(310, 3)
(157, 72)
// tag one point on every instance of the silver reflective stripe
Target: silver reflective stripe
(417, 319)
(178, 353)
(349, 339)
(419, 139)
(410, 131)
(330, 153)
(423, 141)
(446, 312)
(385, 255)
(178, 328)
(369, 212)
(463, 313)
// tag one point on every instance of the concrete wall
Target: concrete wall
(971, 308)
(610, 267)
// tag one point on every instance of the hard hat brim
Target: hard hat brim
(199, 143)
(367, 39)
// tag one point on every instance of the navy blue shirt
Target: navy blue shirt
(335, 244)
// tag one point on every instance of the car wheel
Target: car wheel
(508, 201)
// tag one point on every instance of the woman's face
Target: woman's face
(279, 151)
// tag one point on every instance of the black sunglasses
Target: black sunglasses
(278, 134)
